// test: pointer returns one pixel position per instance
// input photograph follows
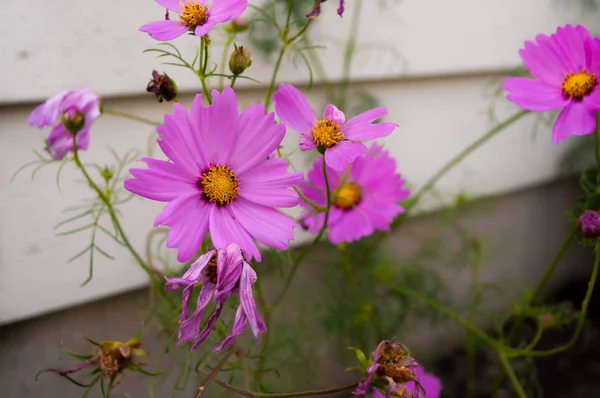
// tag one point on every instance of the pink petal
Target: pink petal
(257, 137)
(360, 127)
(269, 184)
(543, 63)
(225, 10)
(164, 30)
(247, 303)
(48, 113)
(162, 181)
(293, 109)
(173, 5)
(350, 226)
(571, 41)
(592, 101)
(219, 130)
(341, 155)
(203, 29)
(594, 57)
(575, 119)
(189, 327)
(331, 112)
(239, 324)
(270, 227)
(533, 95)
(210, 323)
(225, 229)
(307, 142)
(188, 217)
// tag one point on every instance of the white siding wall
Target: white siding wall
(453, 51)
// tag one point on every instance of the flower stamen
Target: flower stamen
(220, 185)
(193, 14)
(348, 196)
(326, 133)
(578, 85)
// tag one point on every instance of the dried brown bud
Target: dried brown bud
(162, 86)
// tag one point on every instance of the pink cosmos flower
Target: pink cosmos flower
(365, 201)
(338, 138)
(222, 272)
(566, 67)
(197, 16)
(69, 112)
(430, 383)
(317, 10)
(219, 178)
(392, 367)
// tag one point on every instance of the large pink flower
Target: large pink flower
(69, 112)
(219, 178)
(429, 383)
(197, 16)
(566, 67)
(338, 138)
(367, 200)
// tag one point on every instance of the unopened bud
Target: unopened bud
(162, 86)
(237, 25)
(589, 224)
(106, 173)
(73, 120)
(239, 60)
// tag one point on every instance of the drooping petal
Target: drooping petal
(247, 280)
(269, 226)
(342, 154)
(293, 109)
(239, 324)
(48, 113)
(361, 127)
(225, 229)
(210, 323)
(575, 119)
(188, 218)
(164, 30)
(59, 142)
(193, 275)
(189, 328)
(229, 268)
(161, 181)
(533, 95)
(331, 112)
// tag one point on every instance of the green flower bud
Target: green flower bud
(239, 60)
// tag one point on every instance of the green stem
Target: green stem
(111, 210)
(580, 322)
(233, 79)
(471, 327)
(129, 116)
(462, 155)
(514, 380)
(310, 393)
(202, 62)
(228, 42)
(274, 78)
(214, 372)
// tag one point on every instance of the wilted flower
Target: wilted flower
(221, 272)
(317, 10)
(219, 178)
(589, 224)
(566, 67)
(391, 368)
(364, 201)
(70, 113)
(111, 358)
(195, 16)
(430, 383)
(162, 86)
(337, 138)
(239, 60)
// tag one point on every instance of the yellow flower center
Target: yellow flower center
(220, 185)
(193, 14)
(326, 133)
(348, 196)
(578, 85)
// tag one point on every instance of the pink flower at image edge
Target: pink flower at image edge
(431, 384)
(566, 71)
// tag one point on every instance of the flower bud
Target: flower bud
(589, 224)
(237, 25)
(73, 120)
(239, 60)
(162, 86)
(107, 173)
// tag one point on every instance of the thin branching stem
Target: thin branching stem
(214, 372)
(310, 393)
(125, 115)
